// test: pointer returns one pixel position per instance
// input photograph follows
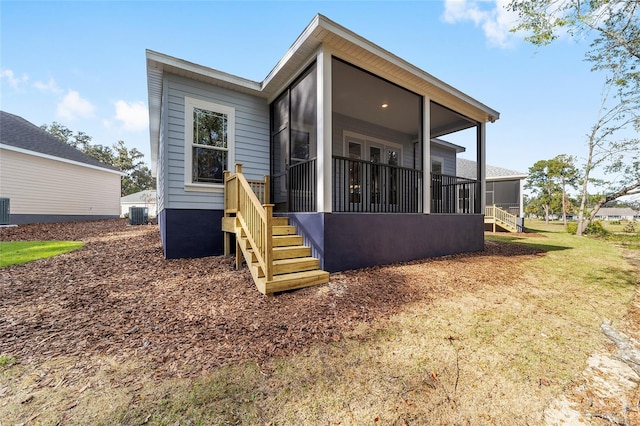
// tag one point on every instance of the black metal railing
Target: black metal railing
(364, 186)
(302, 186)
(452, 194)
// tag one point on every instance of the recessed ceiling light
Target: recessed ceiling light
(384, 105)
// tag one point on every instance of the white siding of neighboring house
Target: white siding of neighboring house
(124, 207)
(251, 136)
(44, 186)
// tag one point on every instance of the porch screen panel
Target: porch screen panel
(279, 151)
(303, 146)
(382, 172)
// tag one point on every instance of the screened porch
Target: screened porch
(378, 144)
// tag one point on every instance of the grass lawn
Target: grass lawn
(16, 252)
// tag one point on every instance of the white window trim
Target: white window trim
(367, 141)
(437, 159)
(230, 112)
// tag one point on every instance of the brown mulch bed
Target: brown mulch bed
(118, 296)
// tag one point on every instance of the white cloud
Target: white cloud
(49, 86)
(12, 79)
(134, 115)
(496, 21)
(73, 106)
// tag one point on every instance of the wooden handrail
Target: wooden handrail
(502, 216)
(254, 217)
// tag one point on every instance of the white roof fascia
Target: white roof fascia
(302, 38)
(450, 145)
(62, 160)
(214, 74)
(513, 177)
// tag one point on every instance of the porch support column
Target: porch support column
(426, 155)
(481, 197)
(521, 197)
(324, 169)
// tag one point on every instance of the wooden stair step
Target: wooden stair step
(289, 266)
(298, 264)
(290, 252)
(283, 230)
(280, 221)
(296, 280)
(286, 240)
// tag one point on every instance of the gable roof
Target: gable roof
(18, 134)
(617, 211)
(321, 31)
(468, 169)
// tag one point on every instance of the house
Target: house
(504, 191)
(47, 180)
(146, 198)
(342, 129)
(617, 213)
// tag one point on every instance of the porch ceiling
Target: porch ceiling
(360, 95)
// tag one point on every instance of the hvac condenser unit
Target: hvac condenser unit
(5, 212)
(138, 215)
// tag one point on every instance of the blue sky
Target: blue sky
(82, 64)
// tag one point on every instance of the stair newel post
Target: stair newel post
(237, 202)
(268, 241)
(227, 236)
(267, 189)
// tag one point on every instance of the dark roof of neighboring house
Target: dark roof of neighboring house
(17, 132)
(617, 211)
(467, 169)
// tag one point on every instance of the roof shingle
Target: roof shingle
(467, 169)
(17, 132)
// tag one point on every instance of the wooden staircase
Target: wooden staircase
(274, 253)
(500, 219)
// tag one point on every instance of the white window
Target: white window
(209, 144)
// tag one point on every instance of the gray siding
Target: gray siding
(448, 157)
(251, 136)
(161, 175)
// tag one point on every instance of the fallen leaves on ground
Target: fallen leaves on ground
(119, 297)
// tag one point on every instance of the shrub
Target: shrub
(615, 222)
(630, 227)
(595, 228)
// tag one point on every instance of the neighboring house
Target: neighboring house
(47, 180)
(505, 187)
(343, 128)
(146, 198)
(617, 213)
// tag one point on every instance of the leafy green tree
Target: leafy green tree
(542, 181)
(130, 161)
(566, 174)
(614, 29)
